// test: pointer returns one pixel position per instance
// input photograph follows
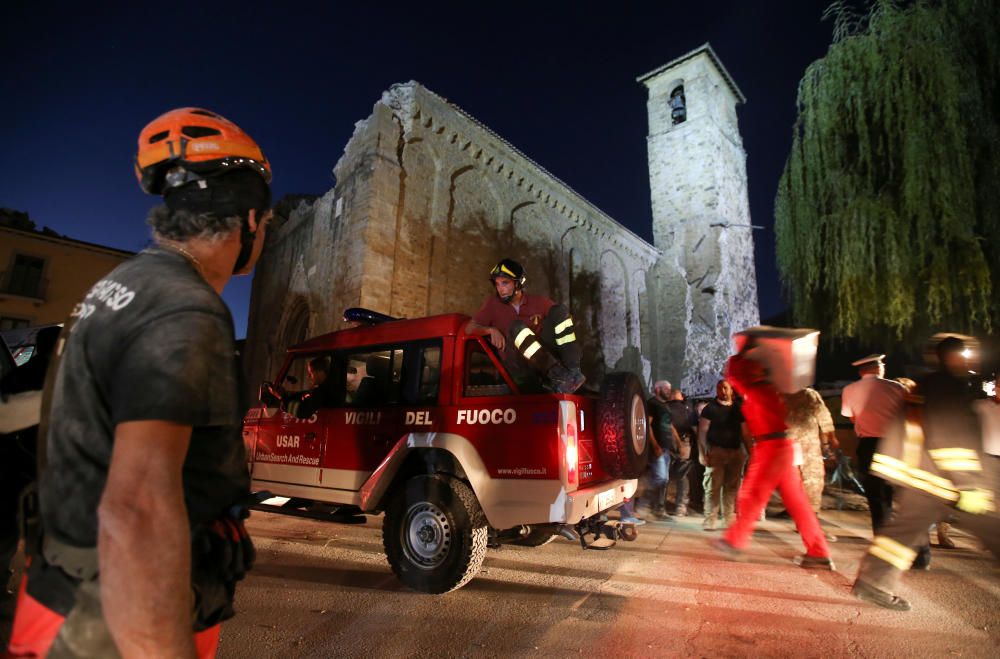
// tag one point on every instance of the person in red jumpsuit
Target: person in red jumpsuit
(771, 464)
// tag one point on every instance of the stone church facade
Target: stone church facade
(427, 199)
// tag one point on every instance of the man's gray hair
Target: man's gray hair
(185, 225)
(661, 384)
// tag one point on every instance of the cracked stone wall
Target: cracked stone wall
(426, 200)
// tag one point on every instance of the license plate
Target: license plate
(606, 499)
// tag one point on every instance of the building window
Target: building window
(678, 105)
(25, 276)
(7, 323)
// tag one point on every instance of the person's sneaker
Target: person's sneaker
(729, 552)
(565, 380)
(681, 511)
(869, 593)
(632, 520)
(709, 523)
(660, 514)
(821, 562)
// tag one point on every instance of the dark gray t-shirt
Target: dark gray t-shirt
(724, 430)
(152, 341)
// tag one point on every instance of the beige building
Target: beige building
(427, 199)
(44, 274)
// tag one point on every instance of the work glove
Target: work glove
(976, 502)
(239, 554)
(228, 548)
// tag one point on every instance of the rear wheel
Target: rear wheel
(434, 534)
(621, 426)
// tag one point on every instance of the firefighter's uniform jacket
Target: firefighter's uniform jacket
(934, 451)
(936, 447)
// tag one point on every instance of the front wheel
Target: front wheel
(434, 534)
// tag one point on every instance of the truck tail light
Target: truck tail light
(572, 458)
(569, 442)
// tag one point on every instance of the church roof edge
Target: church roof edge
(704, 48)
(600, 213)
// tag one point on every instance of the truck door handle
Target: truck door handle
(310, 437)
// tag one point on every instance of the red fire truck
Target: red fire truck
(420, 421)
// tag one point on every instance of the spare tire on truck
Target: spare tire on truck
(621, 426)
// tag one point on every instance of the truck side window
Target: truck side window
(430, 374)
(419, 373)
(482, 377)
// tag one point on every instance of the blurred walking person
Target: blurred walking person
(771, 461)
(934, 451)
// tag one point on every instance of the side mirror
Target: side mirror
(265, 396)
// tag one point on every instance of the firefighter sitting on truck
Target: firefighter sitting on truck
(934, 450)
(534, 335)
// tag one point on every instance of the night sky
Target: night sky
(556, 80)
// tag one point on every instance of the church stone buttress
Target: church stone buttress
(705, 282)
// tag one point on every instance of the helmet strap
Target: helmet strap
(247, 238)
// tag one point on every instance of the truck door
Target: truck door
(390, 392)
(288, 449)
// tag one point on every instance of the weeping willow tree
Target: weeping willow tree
(887, 212)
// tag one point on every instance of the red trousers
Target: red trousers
(36, 627)
(771, 467)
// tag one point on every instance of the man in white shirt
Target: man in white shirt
(871, 403)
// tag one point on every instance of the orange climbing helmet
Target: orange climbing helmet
(189, 144)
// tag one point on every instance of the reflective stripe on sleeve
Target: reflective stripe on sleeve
(959, 465)
(913, 443)
(919, 479)
(953, 454)
(956, 459)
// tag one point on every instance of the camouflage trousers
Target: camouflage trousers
(813, 479)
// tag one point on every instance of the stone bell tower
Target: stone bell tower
(705, 283)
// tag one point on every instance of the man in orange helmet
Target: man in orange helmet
(142, 539)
